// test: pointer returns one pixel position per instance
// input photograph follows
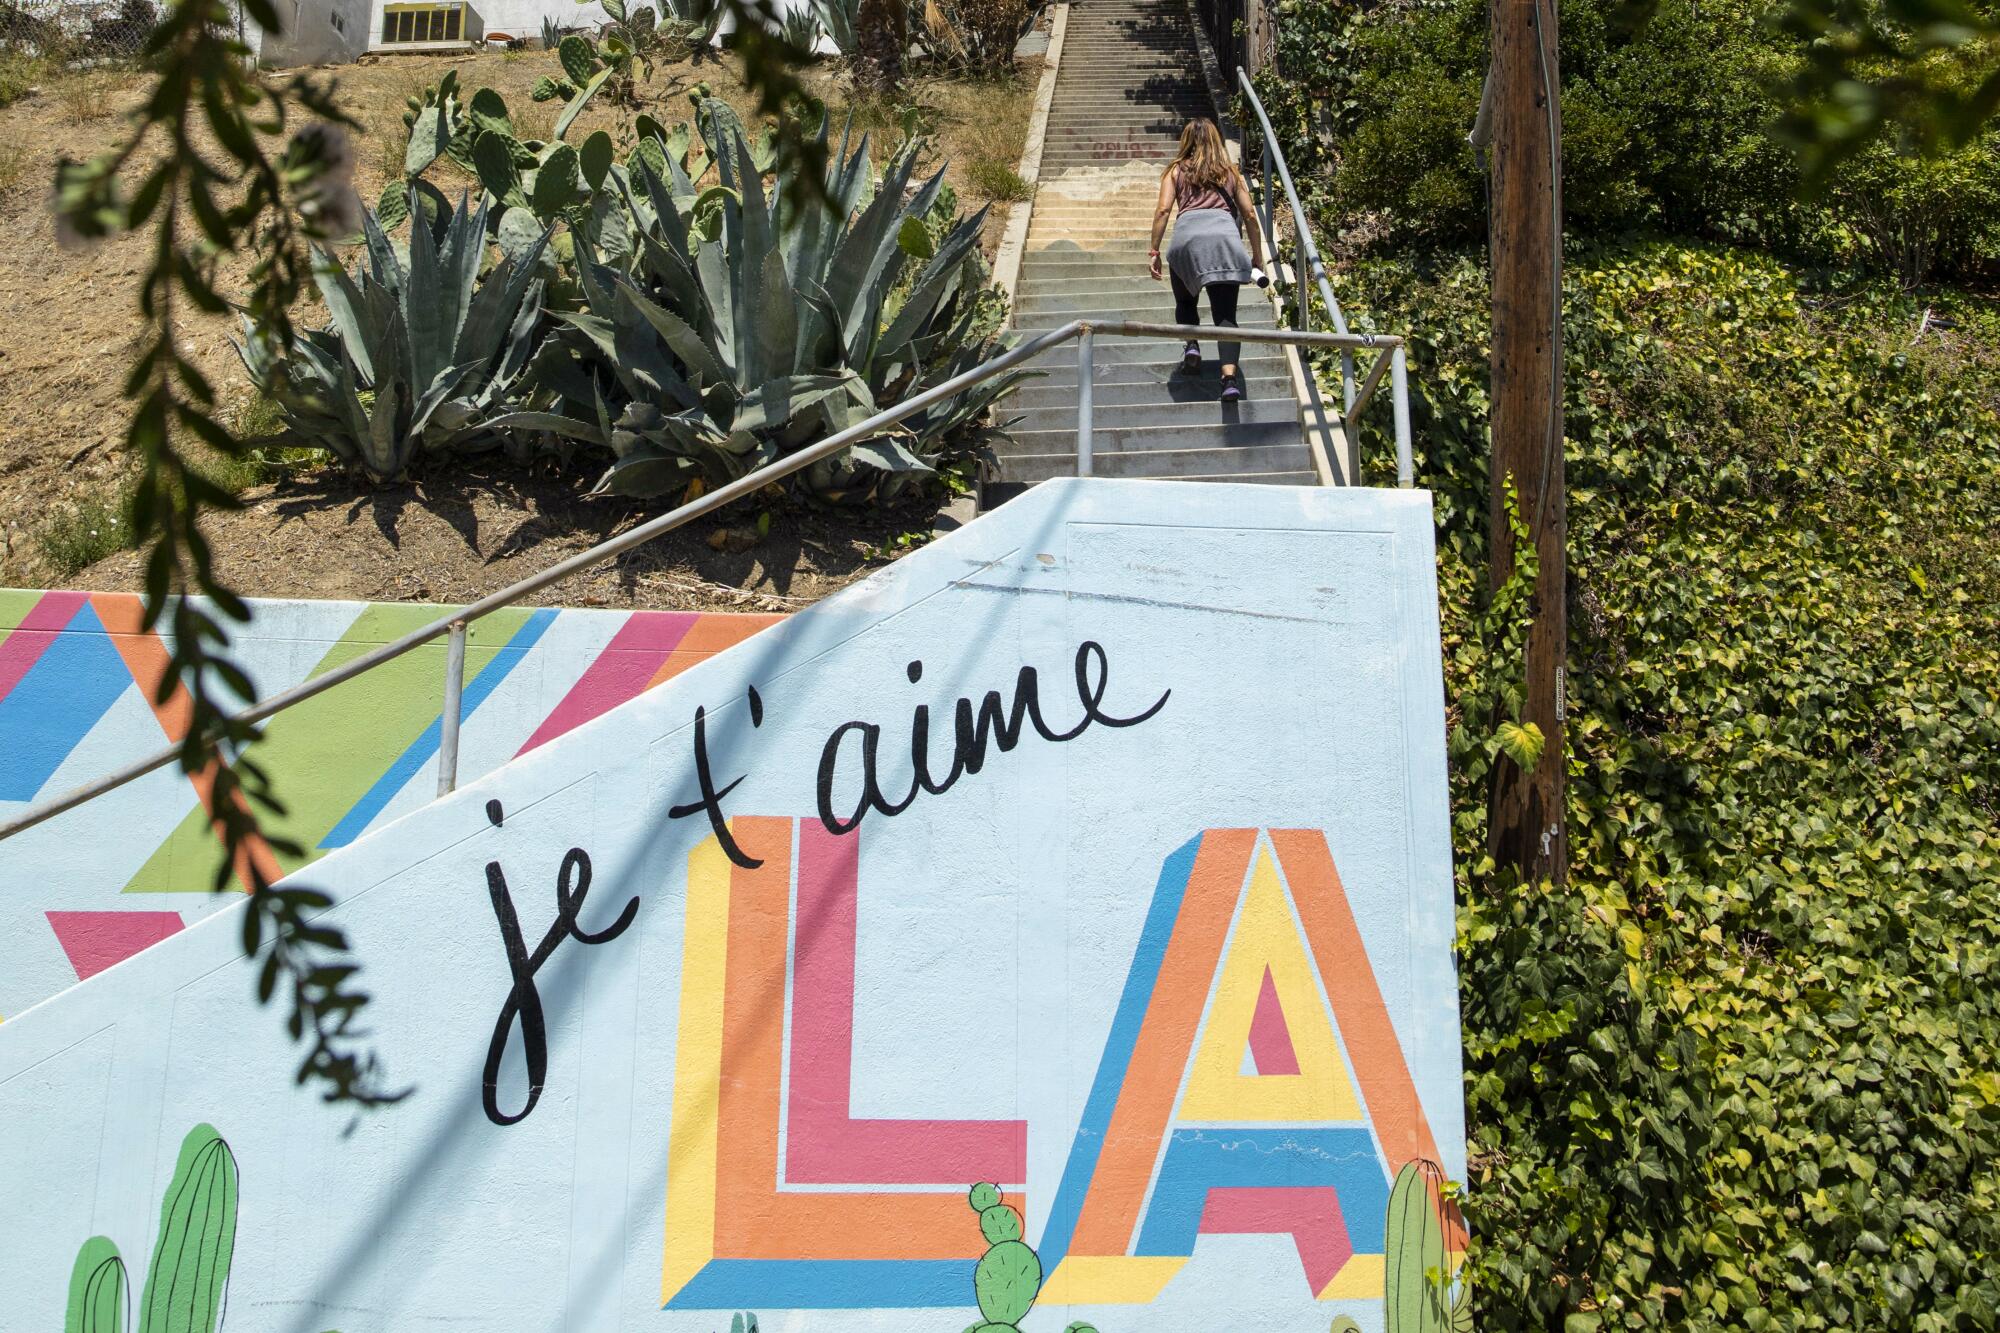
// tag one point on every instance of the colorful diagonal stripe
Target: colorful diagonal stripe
(425, 747)
(66, 677)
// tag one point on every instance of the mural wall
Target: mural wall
(78, 683)
(1052, 932)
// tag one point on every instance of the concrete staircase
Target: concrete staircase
(1130, 77)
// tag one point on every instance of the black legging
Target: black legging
(1221, 304)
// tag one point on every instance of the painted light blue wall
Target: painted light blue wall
(1294, 635)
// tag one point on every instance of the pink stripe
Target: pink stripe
(1309, 1214)
(96, 940)
(37, 630)
(1270, 1040)
(621, 671)
(822, 1144)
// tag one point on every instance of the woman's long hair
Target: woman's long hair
(1203, 161)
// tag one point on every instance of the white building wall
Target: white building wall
(523, 18)
(318, 32)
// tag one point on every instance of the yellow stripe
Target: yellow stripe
(697, 1072)
(1116, 1279)
(1266, 937)
(1359, 1279)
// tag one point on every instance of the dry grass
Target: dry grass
(13, 160)
(86, 97)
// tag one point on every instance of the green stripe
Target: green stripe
(322, 755)
(15, 603)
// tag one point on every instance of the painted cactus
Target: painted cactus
(1009, 1273)
(189, 1275)
(97, 1298)
(1417, 1288)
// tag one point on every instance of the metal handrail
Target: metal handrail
(1273, 156)
(454, 626)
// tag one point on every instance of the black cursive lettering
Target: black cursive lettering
(711, 797)
(993, 724)
(523, 1004)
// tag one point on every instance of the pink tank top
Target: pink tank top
(1188, 198)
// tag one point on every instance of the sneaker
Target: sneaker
(1232, 389)
(1191, 359)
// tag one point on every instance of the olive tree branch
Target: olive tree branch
(198, 209)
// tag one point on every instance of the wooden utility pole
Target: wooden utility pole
(1526, 130)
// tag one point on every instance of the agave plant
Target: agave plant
(749, 326)
(840, 20)
(421, 355)
(801, 31)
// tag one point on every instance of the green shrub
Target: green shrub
(1666, 129)
(77, 537)
(1740, 1073)
(18, 73)
(996, 181)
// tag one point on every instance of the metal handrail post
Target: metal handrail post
(1399, 392)
(1086, 376)
(454, 699)
(1366, 393)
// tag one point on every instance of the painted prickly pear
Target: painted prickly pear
(1417, 1276)
(1006, 1281)
(97, 1296)
(744, 1322)
(189, 1275)
(1009, 1274)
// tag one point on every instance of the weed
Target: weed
(78, 538)
(996, 181)
(13, 158)
(84, 97)
(18, 73)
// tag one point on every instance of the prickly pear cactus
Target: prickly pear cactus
(190, 1270)
(1009, 1274)
(97, 1296)
(743, 1323)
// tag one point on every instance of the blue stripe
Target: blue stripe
(1119, 1044)
(1201, 1159)
(62, 697)
(425, 747)
(829, 1284)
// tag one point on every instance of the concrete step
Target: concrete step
(1106, 284)
(1224, 463)
(996, 493)
(1168, 386)
(1109, 437)
(1041, 321)
(1193, 416)
(1257, 359)
(1154, 303)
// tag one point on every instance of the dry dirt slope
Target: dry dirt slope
(68, 320)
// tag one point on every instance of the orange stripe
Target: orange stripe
(146, 657)
(753, 1220)
(705, 638)
(1358, 1007)
(1117, 1194)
